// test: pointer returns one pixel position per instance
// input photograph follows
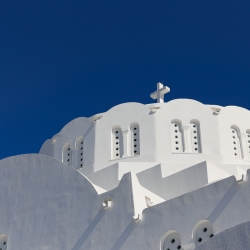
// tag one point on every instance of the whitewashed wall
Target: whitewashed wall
(46, 204)
(155, 135)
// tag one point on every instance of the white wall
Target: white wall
(155, 134)
(48, 205)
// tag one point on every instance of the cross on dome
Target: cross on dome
(160, 92)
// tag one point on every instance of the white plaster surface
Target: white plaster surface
(155, 135)
(49, 205)
(131, 201)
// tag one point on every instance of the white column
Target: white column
(74, 155)
(243, 141)
(186, 139)
(126, 149)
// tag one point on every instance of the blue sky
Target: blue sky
(65, 59)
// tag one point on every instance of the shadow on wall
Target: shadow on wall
(89, 230)
(226, 199)
(124, 236)
(118, 244)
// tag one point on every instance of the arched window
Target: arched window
(171, 241)
(67, 154)
(236, 142)
(135, 139)
(117, 143)
(248, 143)
(177, 137)
(202, 232)
(80, 148)
(195, 136)
(3, 241)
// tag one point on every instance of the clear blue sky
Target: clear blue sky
(64, 59)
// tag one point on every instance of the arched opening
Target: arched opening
(202, 232)
(80, 148)
(67, 154)
(177, 137)
(117, 143)
(195, 136)
(171, 240)
(236, 142)
(135, 139)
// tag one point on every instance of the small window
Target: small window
(3, 241)
(171, 241)
(248, 143)
(236, 142)
(177, 137)
(117, 143)
(80, 149)
(195, 136)
(135, 139)
(202, 232)
(67, 154)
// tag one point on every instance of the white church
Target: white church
(162, 176)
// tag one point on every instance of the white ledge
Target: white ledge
(96, 117)
(127, 157)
